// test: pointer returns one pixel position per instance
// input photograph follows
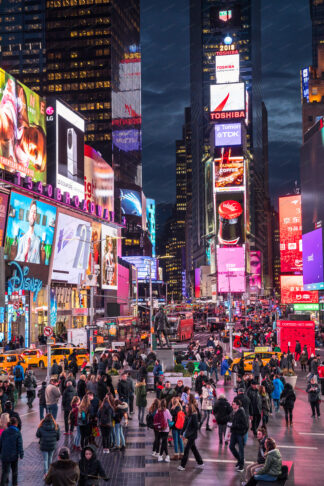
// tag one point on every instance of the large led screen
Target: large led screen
(290, 226)
(98, 179)
(109, 255)
(255, 271)
(292, 290)
(209, 186)
(4, 198)
(227, 101)
(72, 249)
(228, 134)
(143, 263)
(30, 233)
(227, 68)
(230, 218)
(22, 129)
(230, 270)
(313, 273)
(229, 172)
(131, 202)
(127, 140)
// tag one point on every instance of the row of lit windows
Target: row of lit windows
(97, 138)
(74, 75)
(77, 86)
(73, 3)
(95, 106)
(89, 33)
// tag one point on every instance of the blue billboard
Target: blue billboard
(150, 217)
(143, 264)
(131, 202)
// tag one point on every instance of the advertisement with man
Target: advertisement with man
(22, 129)
(30, 233)
(109, 257)
(72, 249)
(98, 179)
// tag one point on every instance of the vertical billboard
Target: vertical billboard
(209, 187)
(255, 271)
(131, 202)
(22, 129)
(98, 179)
(229, 171)
(290, 227)
(4, 198)
(231, 269)
(313, 273)
(227, 68)
(197, 283)
(150, 216)
(227, 101)
(72, 249)
(109, 257)
(30, 233)
(230, 218)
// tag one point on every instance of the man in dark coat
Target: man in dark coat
(11, 448)
(63, 472)
(67, 397)
(238, 430)
(255, 407)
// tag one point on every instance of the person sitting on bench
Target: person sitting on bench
(272, 466)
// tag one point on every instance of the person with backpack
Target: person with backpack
(105, 418)
(277, 390)
(120, 412)
(150, 424)
(18, 373)
(287, 401)
(239, 427)
(161, 424)
(190, 432)
(42, 400)
(178, 420)
(11, 448)
(30, 385)
(84, 419)
(48, 433)
(222, 411)
(141, 401)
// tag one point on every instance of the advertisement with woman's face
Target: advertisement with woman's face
(255, 270)
(109, 256)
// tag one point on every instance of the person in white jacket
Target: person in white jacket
(208, 396)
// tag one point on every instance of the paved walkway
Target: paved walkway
(303, 444)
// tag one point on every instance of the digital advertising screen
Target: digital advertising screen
(197, 283)
(230, 218)
(304, 78)
(227, 101)
(229, 172)
(142, 264)
(255, 271)
(313, 274)
(72, 249)
(209, 187)
(131, 202)
(22, 129)
(109, 257)
(228, 134)
(4, 198)
(290, 227)
(231, 269)
(127, 140)
(292, 291)
(222, 18)
(30, 233)
(227, 68)
(151, 222)
(98, 179)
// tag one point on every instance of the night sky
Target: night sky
(286, 48)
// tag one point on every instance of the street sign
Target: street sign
(88, 327)
(48, 331)
(50, 340)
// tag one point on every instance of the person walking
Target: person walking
(287, 401)
(8, 409)
(297, 350)
(30, 384)
(48, 433)
(207, 403)
(91, 470)
(157, 370)
(222, 411)
(178, 420)
(64, 471)
(265, 405)
(67, 398)
(18, 373)
(74, 421)
(4, 420)
(82, 386)
(52, 396)
(120, 412)
(141, 401)
(256, 368)
(105, 418)
(131, 394)
(277, 390)
(123, 389)
(84, 419)
(313, 391)
(239, 428)
(161, 424)
(42, 400)
(190, 432)
(150, 424)
(303, 360)
(11, 449)
(255, 407)
(272, 466)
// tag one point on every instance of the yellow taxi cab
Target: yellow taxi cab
(35, 357)
(249, 357)
(10, 360)
(64, 352)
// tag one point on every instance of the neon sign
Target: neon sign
(20, 281)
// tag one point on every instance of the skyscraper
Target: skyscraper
(213, 23)
(317, 17)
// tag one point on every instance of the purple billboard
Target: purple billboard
(127, 140)
(313, 276)
(228, 134)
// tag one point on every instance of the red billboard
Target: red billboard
(292, 291)
(290, 225)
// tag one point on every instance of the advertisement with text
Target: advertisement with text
(231, 269)
(109, 257)
(290, 226)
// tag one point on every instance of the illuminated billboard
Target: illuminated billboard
(255, 271)
(304, 78)
(109, 256)
(229, 172)
(227, 68)
(98, 179)
(127, 140)
(22, 129)
(228, 134)
(230, 218)
(72, 249)
(227, 101)
(197, 283)
(209, 186)
(313, 274)
(131, 202)
(231, 269)
(290, 226)
(65, 148)
(292, 291)
(30, 233)
(151, 222)
(142, 264)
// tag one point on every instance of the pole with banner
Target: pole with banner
(91, 308)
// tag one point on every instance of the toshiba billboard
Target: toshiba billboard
(227, 101)
(228, 68)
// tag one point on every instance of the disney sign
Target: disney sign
(21, 281)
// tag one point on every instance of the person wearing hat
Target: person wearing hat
(64, 471)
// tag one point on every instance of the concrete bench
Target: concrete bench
(279, 482)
